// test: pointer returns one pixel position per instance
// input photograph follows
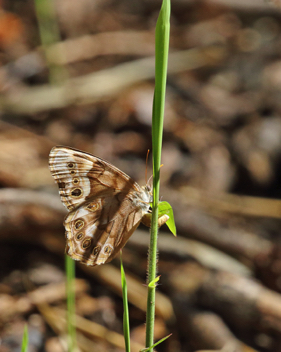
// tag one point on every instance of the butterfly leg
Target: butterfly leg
(162, 220)
(146, 220)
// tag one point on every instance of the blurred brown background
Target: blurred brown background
(220, 286)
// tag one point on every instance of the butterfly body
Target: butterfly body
(105, 205)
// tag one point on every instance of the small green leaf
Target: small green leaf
(157, 343)
(165, 208)
(153, 282)
(24, 343)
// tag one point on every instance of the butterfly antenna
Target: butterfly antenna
(146, 165)
(149, 180)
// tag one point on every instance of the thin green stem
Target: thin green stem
(70, 300)
(161, 62)
(49, 34)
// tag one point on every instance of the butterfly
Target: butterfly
(105, 205)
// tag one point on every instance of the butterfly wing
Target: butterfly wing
(98, 229)
(105, 204)
(81, 176)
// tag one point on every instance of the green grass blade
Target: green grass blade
(24, 343)
(70, 300)
(161, 62)
(126, 322)
(156, 344)
(49, 34)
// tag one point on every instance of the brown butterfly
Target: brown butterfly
(105, 204)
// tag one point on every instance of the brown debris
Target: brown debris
(220, 279)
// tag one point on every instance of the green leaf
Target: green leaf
(157, 343)
(24, 344)
(126, 322)
(165, 208)
(153, 282)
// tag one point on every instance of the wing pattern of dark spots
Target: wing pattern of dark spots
(96, 250)
(76, 192)
(79, 236)
(79, 224)
(86, 243)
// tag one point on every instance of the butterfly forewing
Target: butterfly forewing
(80, 176)
(105, 204)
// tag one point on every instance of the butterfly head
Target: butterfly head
(147, 194)
(148, 189)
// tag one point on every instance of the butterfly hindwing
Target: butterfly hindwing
(97, 230)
